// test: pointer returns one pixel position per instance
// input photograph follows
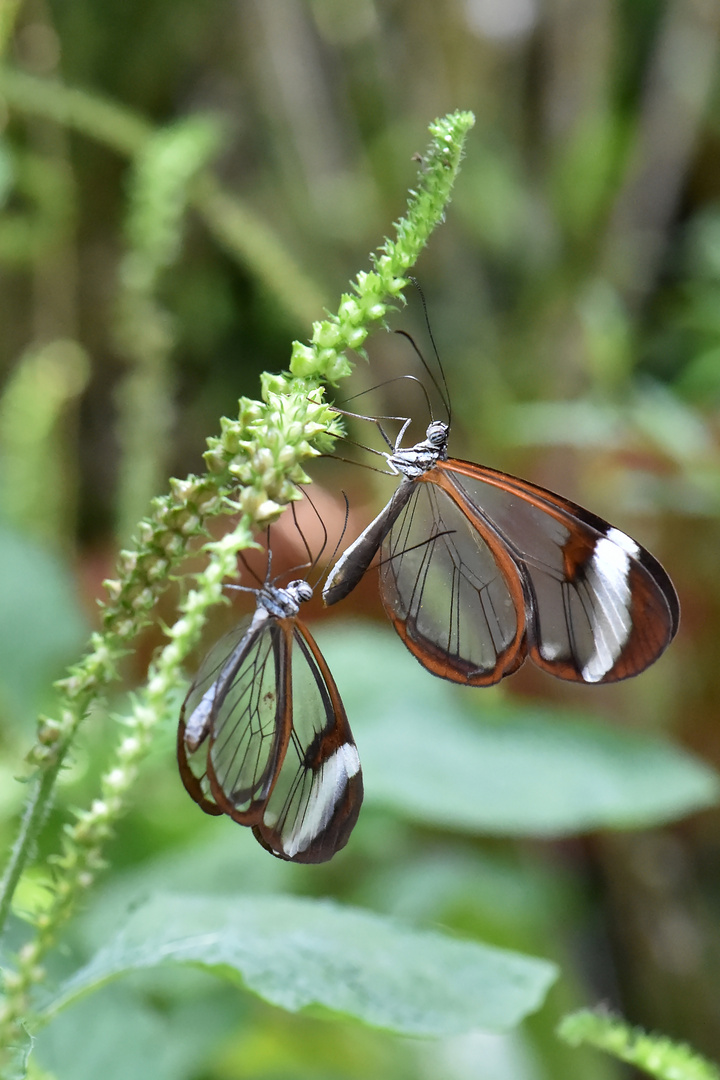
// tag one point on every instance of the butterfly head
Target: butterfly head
(300, 591)
(284, 603)
(437, 436)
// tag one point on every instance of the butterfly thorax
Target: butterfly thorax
(413, 461)
(283, 603)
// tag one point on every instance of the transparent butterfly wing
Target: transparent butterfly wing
(251, 728)
(234, 723)
(601, 607)
(316, 798)
(270, 744)
(453, 593)
(196, 717)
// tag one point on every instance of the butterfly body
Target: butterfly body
(480, 570)
(412, 462)
(269, 730)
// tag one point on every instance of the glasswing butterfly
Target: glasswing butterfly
(263, 735)
(479, 570)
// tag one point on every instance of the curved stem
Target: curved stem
(258, 458)
(32, 819)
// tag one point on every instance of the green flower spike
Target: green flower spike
(253, 468)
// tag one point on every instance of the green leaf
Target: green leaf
(307, 954)
(41, 626)
(132, 1035)
(224, 857)
(509, 770)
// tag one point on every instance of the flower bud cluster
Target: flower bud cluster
(253, 467)
(262, 453)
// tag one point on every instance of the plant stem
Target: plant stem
(32, 819)
(654, 1054)
(258, 458)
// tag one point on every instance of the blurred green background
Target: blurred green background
(183, 188)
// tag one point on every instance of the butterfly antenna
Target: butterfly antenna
(310, 561)
(331, 560)
(359, 464)
(379, 386)
(415, 379)
(301, 534)
(251, 572)
(446, 395)
(430, 375)
(249, 569)
(313, 562)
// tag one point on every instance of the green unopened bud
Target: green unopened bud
(49, 731)
(349, 311)
(113, 588)
(145, 533)
(273, 384)
(303, 361)
(215, 460)
(127, 562)
(357, 337)
(267, 511)
(326, 334)
(264, 461)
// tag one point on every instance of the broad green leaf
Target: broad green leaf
(41, 626)
(509, 770)
(309, 954)
(134, 1037)
(224, 860)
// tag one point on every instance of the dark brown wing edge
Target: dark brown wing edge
(190, 781)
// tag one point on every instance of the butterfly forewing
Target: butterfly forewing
(316, 799)
(601, 607)
(456, 599)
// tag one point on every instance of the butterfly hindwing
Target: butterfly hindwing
(197, 714)
(252, 727)
(235, 722)
(454, 595)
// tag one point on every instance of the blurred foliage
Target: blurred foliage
(653, 1054)
(574, 294)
